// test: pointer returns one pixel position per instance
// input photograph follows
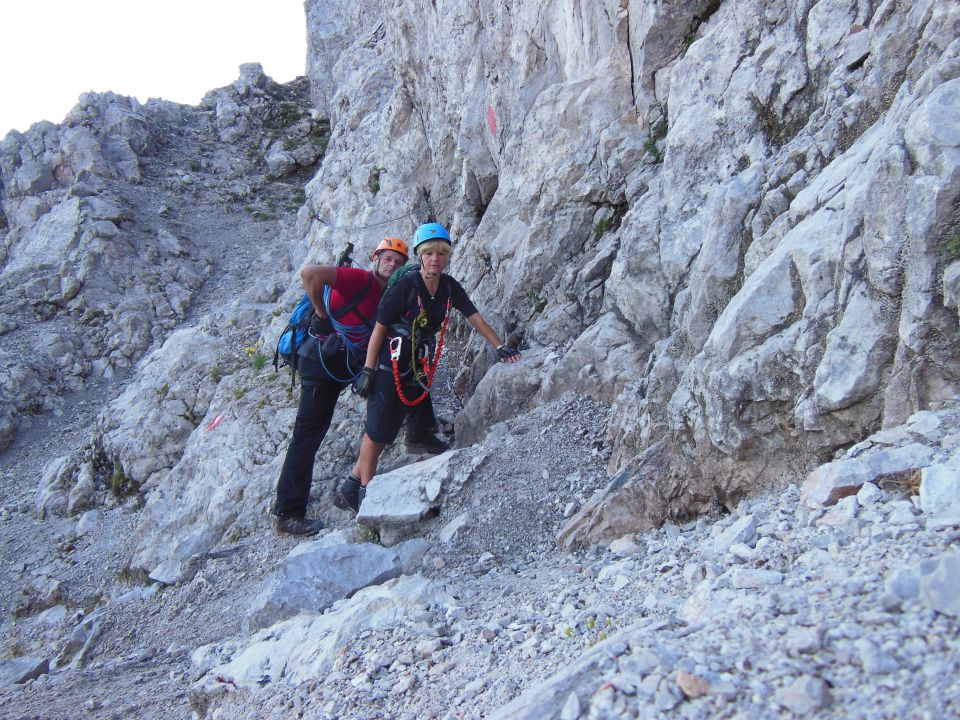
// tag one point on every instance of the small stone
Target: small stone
(903, 513)
(89, 522)
(940, 489)
(804, 695)
(874, 660)
(869, 494)
(693, 686)
(641, 662)
(571, 708)
(803, 640)
(667, 698)
(625, 546)
(693, 573)
(904, 583)
(361, 680)
(891, 602)
(755, 579)
(940, 590)
(474, 687)
(743, 530)
(453, 528)
(426, 648)
(403, 684)
(833, 481)
(671, 531)
(405, 658)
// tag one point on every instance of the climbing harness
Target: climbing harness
(429, 368)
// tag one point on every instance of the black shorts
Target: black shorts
(385, 411)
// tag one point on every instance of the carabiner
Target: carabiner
(395, 348)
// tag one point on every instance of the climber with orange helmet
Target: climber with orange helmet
(345, 302)
(404, 351)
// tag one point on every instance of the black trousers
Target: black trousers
(318, 400)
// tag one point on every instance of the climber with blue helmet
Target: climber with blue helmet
(404, 351)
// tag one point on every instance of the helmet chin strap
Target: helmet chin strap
(426, 273)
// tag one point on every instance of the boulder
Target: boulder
(315, 575)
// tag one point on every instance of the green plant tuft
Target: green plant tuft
(650, 145)
(369, 534)
(216, 374)
(120, 483)
(373, 182)
(951, 246)
(600, 228)
(259, 361)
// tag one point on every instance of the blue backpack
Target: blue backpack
(293, 335)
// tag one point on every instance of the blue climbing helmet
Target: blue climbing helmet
(428, 232)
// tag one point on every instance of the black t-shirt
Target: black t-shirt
(402, 303)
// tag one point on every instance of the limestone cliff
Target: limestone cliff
(736, 220)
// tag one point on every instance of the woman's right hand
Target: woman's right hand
(507, 354)
(361, 385)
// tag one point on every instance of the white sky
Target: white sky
(52, 51)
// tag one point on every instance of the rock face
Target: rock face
(734, 223)
(95, 265)
(89, 278)
(728, 218)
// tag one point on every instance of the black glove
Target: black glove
(505, 354)
(361, 386)
(320, 327)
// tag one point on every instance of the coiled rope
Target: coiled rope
(352, 349)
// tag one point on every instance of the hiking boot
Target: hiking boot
(425, 443)
(349, 494)
(299, 525)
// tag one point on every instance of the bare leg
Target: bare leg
(366, 466)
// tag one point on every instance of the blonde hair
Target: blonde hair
(442, 245)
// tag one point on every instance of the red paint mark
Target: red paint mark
(491, 120)
(212, 425)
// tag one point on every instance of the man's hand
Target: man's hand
(508, 354)
(361, 386)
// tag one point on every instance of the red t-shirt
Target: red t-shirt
(350, 282)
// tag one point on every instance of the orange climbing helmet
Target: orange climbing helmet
(391, 243)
